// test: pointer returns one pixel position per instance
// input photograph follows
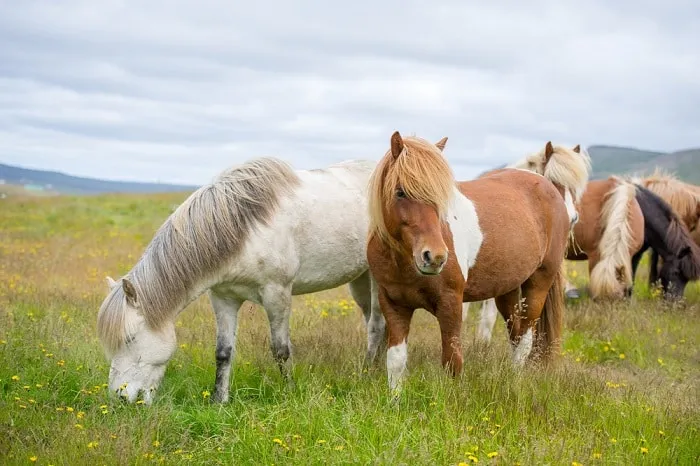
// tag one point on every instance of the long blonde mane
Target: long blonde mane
(421, 171)
(683, 198)
(613, 272)
(206, 231)
(565, 167)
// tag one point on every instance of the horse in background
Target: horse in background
(684, 199)
(568, 169)
(435, 243)
(260, 232)
(665, 233)
(609, 232)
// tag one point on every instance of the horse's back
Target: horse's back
(523, 219)
(315, 240)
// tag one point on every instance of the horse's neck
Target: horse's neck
(655, 231)
(155, 290)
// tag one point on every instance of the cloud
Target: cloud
(177, 91)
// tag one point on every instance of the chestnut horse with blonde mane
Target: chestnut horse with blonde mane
(610, 231)
(435, 243)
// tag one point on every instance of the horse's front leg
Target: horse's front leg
(398, 324)
(226, 312)
(449, 315)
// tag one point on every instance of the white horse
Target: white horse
(260, 232)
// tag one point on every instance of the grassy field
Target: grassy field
(625, 390)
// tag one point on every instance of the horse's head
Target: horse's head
(678, 269)
(409, 194)
(139, 353)
(568, 169)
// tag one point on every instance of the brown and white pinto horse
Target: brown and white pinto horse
(435, 243)
(609, 232)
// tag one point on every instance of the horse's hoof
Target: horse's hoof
(573, 294)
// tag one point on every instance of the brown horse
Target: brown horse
(435, 243)
(684, 199)
(609, 232)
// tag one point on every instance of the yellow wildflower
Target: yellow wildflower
(597, 455)
(613, 440)
(320, 441)
(622, 356)
(493, 454)
(644, 450)
(473, 459)
(339, 447)
(662, 433)
(78, 426)
(33, 459)
(69, 409)
(80, 415)
(206, 394)
(15, 378)
(156, 443)
(93, 444)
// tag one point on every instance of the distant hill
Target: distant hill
(611, 160)
(53, 182)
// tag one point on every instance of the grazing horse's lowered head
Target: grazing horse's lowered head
(568, 169)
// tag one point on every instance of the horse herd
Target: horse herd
(404, 235)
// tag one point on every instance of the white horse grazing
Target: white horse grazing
(260, 232)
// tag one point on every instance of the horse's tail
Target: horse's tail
(549, 326)
(612, 275)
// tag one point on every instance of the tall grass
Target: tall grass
(624, 391)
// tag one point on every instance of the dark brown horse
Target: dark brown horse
(665, 234)
(435, 243)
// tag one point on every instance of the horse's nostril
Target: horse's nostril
(427, 256)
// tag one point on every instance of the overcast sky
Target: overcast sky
(176, 91)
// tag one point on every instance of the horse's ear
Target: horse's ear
(548, 151)
(110, 282)
(441, 143)
(577, 149)
(396, 144)
(684, 252)
(129, 291)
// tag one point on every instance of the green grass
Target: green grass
(628, 378)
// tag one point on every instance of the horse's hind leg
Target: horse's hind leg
(365, 293)
(226, 312)
(489, 313)
(277, 301)
(520, 329)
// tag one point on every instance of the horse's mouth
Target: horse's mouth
(429, 271)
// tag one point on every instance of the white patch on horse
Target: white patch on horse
(396, 358)
(489, 314)
(570, 207)
(522, 351)
(466, 234)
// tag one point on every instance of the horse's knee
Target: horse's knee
(223, 353)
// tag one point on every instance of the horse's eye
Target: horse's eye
(400, 194)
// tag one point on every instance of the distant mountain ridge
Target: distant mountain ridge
(614, 160)
(57, 182)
